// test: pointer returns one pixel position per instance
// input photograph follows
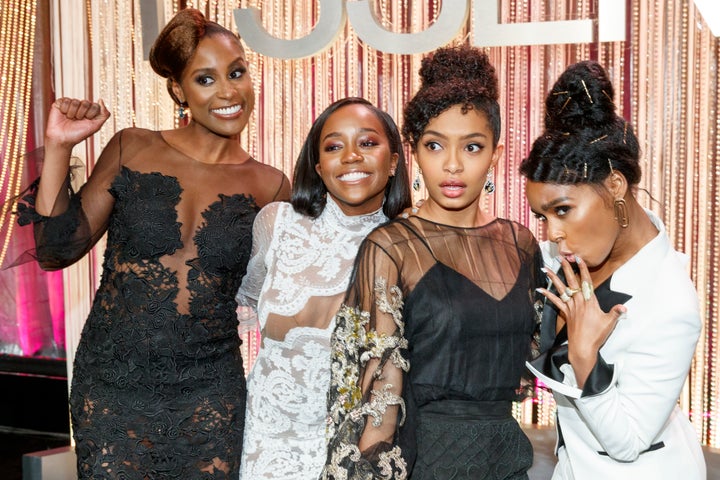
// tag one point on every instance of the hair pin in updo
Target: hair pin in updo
(598, 139)
(608, 96)
(625, 132)
(564, 92)
(611, 167)
(585, 171)
(567, 100)
(586, 91)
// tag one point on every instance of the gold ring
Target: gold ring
(587, 290)
(571, 291)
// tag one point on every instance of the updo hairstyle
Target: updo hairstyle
(175, 46)
(584, 139)
(456, 75)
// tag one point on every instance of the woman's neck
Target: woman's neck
(639, 232)
(469, 217)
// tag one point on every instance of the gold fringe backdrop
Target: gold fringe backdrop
(666, 81)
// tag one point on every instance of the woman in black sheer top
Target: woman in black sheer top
(430, 343)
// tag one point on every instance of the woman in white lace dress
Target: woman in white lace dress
(349, 178)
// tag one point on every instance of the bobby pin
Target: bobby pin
(610, 163)
(565, 104)
(586, 90)
(624, 131)
(608, 96)
(598, 139)
(560, 93)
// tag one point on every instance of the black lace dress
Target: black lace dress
(428, 353)
(158, 388)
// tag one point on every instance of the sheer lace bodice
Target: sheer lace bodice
(433, 313)
(158, 383)
(300, 266)
(166, 188)
(296, 279)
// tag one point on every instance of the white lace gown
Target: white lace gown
(297, 263)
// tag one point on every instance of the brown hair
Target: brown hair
(176, 44)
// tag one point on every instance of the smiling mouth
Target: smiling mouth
(353, 176)
(231, 110)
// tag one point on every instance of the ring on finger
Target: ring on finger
(571, 291)
(587, 289)
(565, 297)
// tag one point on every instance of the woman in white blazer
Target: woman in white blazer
(621, 319)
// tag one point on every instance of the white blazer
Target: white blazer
(630, 427)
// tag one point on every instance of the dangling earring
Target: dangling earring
(416, 182)
(181, 111)
(489, 184)
(621, 213)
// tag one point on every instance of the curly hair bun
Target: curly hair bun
(581, 98)
(462, 63)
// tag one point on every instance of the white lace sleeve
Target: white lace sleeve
(252, 283)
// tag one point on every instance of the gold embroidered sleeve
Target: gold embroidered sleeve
(366, 407)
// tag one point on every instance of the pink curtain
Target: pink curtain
(31, 301)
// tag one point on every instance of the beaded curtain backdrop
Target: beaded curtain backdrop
(665, 73)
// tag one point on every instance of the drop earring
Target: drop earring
(416, 182)
(621, 213)
(181, 111)
(489, 184)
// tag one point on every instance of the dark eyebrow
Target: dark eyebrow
(337, 134)
(552, 203)
(238, 62)
(464, 137)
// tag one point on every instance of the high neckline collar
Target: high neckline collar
(332, 210)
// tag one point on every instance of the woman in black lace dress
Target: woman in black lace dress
(158, 388)
(431, 340)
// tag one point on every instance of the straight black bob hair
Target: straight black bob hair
(308, 190)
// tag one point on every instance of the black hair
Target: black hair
(308, 190)
(176, 44)
(584, 139)
(455, 75)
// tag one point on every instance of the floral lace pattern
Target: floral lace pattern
(158, 392)
(286, 410)
(308, 257)
(299, 265)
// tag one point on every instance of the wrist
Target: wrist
(57, 146)
(582, 356)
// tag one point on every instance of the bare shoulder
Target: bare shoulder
(272, 183)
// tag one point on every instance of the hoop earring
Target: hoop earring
(416, 182)
(621, 213)
(489, 184)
